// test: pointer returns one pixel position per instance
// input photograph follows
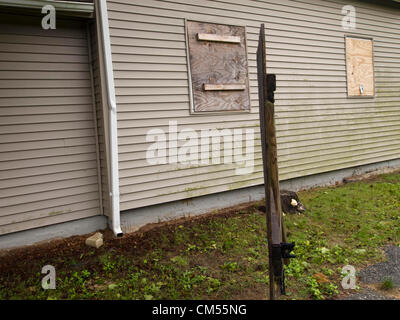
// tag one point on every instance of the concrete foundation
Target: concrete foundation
(133, 220)
(61, 230)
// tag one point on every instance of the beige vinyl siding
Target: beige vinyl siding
(319, 129)
(48, 162)
(102, 121)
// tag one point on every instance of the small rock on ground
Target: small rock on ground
(95, 240)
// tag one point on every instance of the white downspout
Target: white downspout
(113, 134)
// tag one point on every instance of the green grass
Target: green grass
(387, 284)
(225, 257)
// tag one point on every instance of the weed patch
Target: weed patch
(221, 256)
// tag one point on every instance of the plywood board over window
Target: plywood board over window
(218, 67)
(360, 67)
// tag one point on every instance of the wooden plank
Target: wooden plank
(275, 231)
(225, 86)
(217, 38)
(218, 64)
(360, 67)
(262, 93)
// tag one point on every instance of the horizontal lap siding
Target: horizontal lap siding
(319, 129)
(101, 122)
(48, 165)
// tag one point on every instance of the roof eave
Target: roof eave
(65, 7)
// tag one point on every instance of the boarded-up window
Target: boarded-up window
(218, 67)
(360, 67)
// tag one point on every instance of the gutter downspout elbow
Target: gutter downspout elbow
(113, 133)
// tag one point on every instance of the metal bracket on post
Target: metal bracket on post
(279, 252)
(286, 249)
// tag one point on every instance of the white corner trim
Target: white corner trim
(70, 6)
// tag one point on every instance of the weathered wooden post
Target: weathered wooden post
(278, 249)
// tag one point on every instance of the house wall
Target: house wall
(48, 156)
(133, 220)
(319, 129)
(101, 114)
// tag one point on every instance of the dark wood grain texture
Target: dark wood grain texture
(218, 63)
(275, 229)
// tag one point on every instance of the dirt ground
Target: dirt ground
(73, 247)
(223, 254)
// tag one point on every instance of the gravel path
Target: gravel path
(389, 269)
(377, 273)
(367, 294)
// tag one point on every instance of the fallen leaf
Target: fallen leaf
(321, 278)
(112, 286)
